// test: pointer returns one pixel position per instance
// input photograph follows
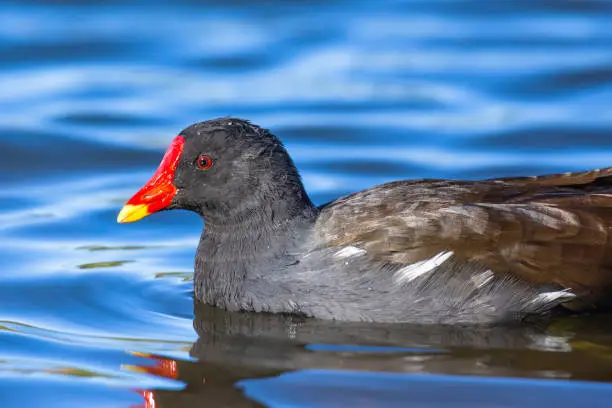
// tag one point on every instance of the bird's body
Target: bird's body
(421, 251)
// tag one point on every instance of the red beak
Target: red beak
(159, 191)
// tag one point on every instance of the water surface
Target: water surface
(101, 315)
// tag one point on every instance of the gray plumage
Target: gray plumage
(423, 251)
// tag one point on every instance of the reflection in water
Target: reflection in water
(360, 92)
(234, 347)
(161, 367)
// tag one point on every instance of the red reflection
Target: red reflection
(163, 367)
(149, 399)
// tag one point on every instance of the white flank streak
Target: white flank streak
(349, 251)
(483, 278)
(557, 296)
(413, 271)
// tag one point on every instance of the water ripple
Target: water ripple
(100, 314)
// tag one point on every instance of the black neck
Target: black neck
(251, 243)
(257, 218)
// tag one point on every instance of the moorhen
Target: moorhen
(419, 251)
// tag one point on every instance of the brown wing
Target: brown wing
(552, 229)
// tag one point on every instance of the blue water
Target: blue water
(97, 314)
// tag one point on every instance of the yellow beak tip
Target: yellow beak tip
(132, 213)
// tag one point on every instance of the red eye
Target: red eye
(204, 162)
